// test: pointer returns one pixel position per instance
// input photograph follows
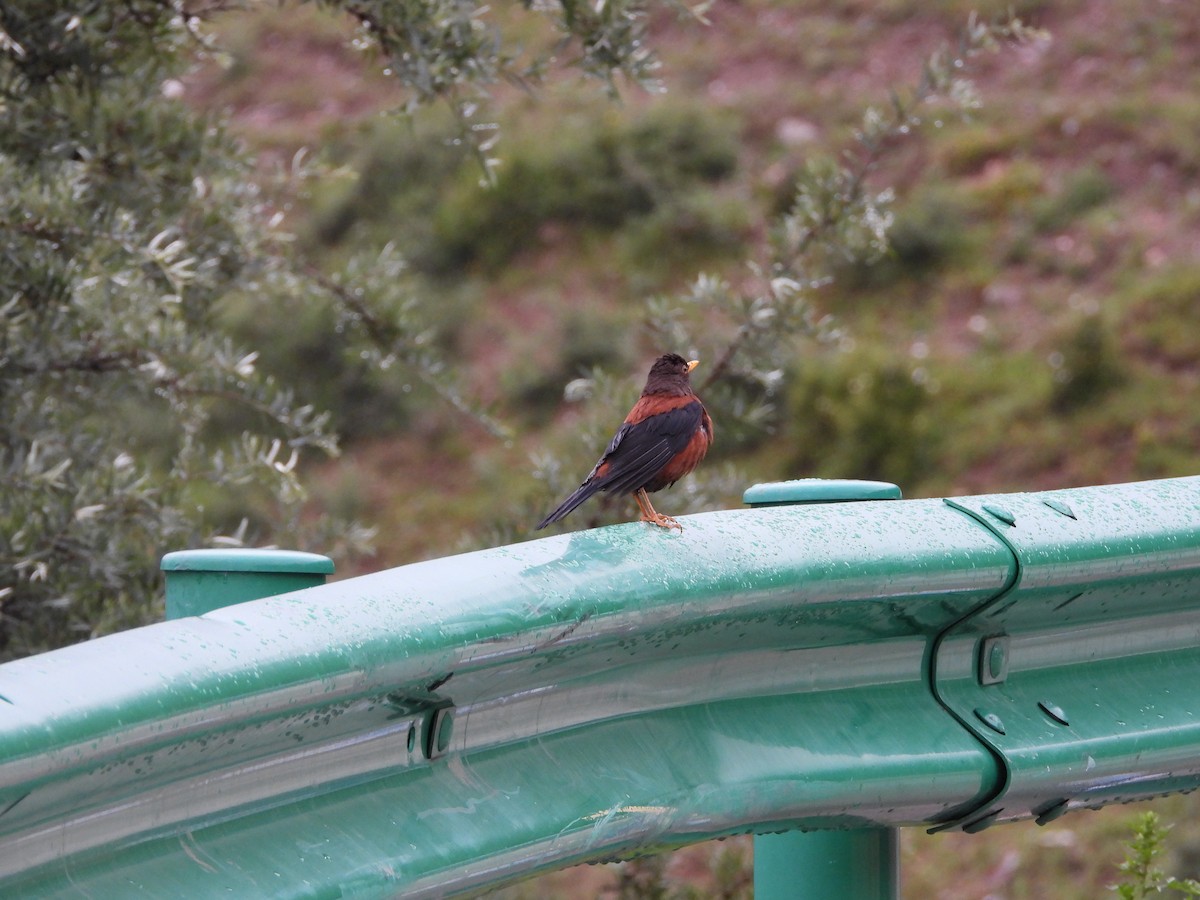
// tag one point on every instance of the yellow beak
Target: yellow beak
(692, 363)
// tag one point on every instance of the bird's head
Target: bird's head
(669, 375)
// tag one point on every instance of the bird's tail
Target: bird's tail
(563, 509)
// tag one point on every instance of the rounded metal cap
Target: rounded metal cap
(199, 581)
(292, 562)
(819, 490)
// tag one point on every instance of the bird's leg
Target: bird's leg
(649, 514)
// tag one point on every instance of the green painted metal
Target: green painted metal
(818, 490)
(457, 724)
(610, 690)
(857, 864)
(1080, 676)
(861, 863)
(199, 581)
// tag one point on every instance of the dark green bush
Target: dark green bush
(931, 230)
(862, 415)
(397, 173)
(934, 229)
(1087, 366)
(362, 399)
(966, 150)
(598, 174)
(1163, 321)
(1083, 190)
(685, 232)
(589, 340)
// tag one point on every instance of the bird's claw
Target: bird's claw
(662, 521)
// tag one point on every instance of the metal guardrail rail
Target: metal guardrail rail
(452, 725)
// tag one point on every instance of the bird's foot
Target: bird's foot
(662, 521)
(652, 515)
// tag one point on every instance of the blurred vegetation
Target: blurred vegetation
(158, 322)
(1140, 874)
(602, 175)
(607, 172)
(1001, 300)
(865, 416)
(124, 219)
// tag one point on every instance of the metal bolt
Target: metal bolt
(439, 725)
(983, 822)
(1000, 513)
(445, 727)
(990, 719)
(993, 659)
(1050, 812)
(1053, 711)
(996, 660)
(1061, 508)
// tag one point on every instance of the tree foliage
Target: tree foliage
(747, 334)
(126, 220)
(130, 422)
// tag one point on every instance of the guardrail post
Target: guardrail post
(199, 581)
(863, 864)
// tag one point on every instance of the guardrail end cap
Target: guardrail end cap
(819, 490)
(293, 562)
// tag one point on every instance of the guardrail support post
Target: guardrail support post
(199, 581)
(863, 864)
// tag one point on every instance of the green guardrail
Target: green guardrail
(453, 725)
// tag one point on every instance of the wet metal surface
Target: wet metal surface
(450, 725)
(1100, 699)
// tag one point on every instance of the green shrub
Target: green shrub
(930, 231)
(589, 340)
(863, 415)
(362, 399)
(1140, 876)
(599, 174)
(1086, 367)
(966, 150)
(1084, 190)
(934, 229)
(1017, 183)
(394, 174)
(685, 232)
(1163, 318)
(682, 143)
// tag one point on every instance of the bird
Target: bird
(664, 437)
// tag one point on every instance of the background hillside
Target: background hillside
(1034, 325)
